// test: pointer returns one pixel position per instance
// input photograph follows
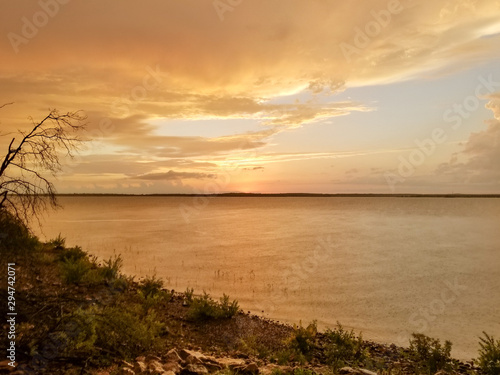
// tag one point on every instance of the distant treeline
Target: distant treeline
(297, 195)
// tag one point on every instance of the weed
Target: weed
(189, 294)
(111, 268)
(205, 307)
(428, 354)
(150, 286)
(252, 345)
(58, 243)
(343, 348)
(226, 308)
(489, 355)
(72, 254)
(103, 334)
(74, 271)
(289, 355)
(303, 339)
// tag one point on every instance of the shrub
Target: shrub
(58, 243)
(189, 295)
(303, 339)
(343, 348)
(74, 271)
(104, 334)
(289, 355)
(15, 237)
(428, 354)
(151, 286)
(227, 309)
(489, 355)
(77, 267)
(72, 254)
(252, 345)
(205, 307)
(111, 268)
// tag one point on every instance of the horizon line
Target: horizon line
(270, 195)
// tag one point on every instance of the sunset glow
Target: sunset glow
(379, 96)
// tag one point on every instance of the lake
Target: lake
(386, 266)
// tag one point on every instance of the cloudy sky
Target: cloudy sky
(323, 96)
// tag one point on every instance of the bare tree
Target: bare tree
(25, 188)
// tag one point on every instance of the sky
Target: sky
(270, 96)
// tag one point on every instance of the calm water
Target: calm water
(384, 266)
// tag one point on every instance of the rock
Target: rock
(127, 364)
(191, 369)
(173, 356)
(155, 367)
(169, 373)
(126, 371)
(185, 353)
(4, 366)
(192, 357)
(139, 366)
(172, 367)
(356, 371)
(251, 368)
(269, 369)
(150, 358)
(212, 365)
(230, 362)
